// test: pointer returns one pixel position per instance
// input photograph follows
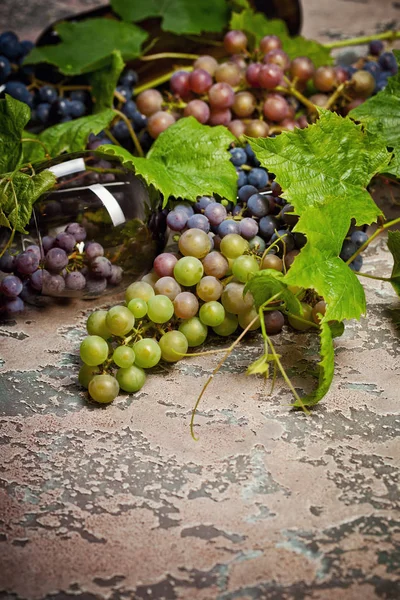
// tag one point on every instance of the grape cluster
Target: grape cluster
(63, 265)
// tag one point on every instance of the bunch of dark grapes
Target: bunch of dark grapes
(63, 265)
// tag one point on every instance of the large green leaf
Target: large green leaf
(18, 196)
(186, 161)
(65, 137)
(268, 283)
(394, 248)
(87, 45)
(326, 366)
(14, 115)
(324, 171)
(178, 16)
(104, 81)
(256, 26)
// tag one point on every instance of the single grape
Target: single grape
(228, 325)
(257, 128)
(357, 263)
(243, 106)
(318, 309)
(271, 261)
(149, 102)
(101, 267)
(220, 116)
(77, 231)
(348, 249)
(229, 73)
(248, 228)
(362, 84)
(200, 81)
(116, 276)
(26, 263)
(209, 288)
(95, 286)
(233, 300)
(129, 78)
(86, 374)
(235, 41)
(150, 278)
(228, 226)
(14, 306)
(388, 62)
(202, 202)
(246, 317)
(269, 76)
(176, 220)
(215, 213)
(11, 286)
(194, 242)
(376, 47)
(167, 286)
(274, 322)
(238, 156)
(233, 245)
(160, 309)
(147, 353)
(302, 68)
(173, 345)
(19, 91)
(186, 207)
(75, 281)
(195, 331)
(221, 95)
(123, 356)
(199, 221)
(5, 68)
(103, 388)
(319, 99)
(300, 239)
(258, 205)
(138, 308)
(186, 305)
(277, 57)
(206, 62)
(257, 244)
(188, 271)
(246, 191)
(212, 314)
(359, 238)
(164, 264)
(267, 226)
(258, 177)
(120, 320)
(53, 285)
(284, 240)
(7, 262)
(37, 277)
(252, 73)
(180, 83)
(159, 122)
(131, 379)
(289, 258)
(242, 178)
(93, 250)
(139, 289)
(96, 324)
(276, 108)
(93, 350)
(270, 42)
(306, 318)
(215, 265)
(66, 241)
(244, 267)
(325, 79)
(197, 109)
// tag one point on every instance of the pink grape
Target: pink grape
(270, 42)
(252, 73)
(179, 83)
(239, 61)
(206, 62)
(215, 264)
(277, 57)
(197, 109)
(302, 68)
(235, 41)
(159, 122)
(167, 286)
(200, 81)
(221, 116)
(325, 79)
(164, 264)
(342, 74)
(221, 95)
(276, 108)
(288, 124)
(244, 104)
(237, 127)
(270, 76)
(228, 73)
(149, 102)
(186, 305)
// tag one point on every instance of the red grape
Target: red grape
(159, 122)
(221, 95)
(277, 57)
(228, 73)
(220, 116)
(319, 99)
(179, 83)
(149, 102)
(257, 128)
(252, 72)
(244, 104)
(276, 108)
(197, 109)
(302, 68)
(270, 42)
(325, 79)
(235, 41)
(206, 62)
(342, 74)
(200, 81)
(237, 127)
(270, 76)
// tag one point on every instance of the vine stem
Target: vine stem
(35, 141)
(159, 80)
(373, 236)
(336, 94)
(133, 135)
(161, 55)
(387, 35)
(373, 276)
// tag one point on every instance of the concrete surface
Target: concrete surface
(119, 503)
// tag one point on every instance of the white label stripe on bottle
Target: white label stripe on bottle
(111, 204)
(69, 167)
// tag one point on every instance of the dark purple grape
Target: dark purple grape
(48, 94)
(248, 228)
(348, 249)
(116, 275)
(300, 240)
(199, 221)
(77, 231)
(203, 202)
(258, 205)
(93, 250)
(26, 263)
(35, 250)
(95, 286)
(357, 263)
(53, 285)
(252, 159)
(246, 191)
(228, 226)
(37, 279)
(242, 178)
(215, 213)
(388, 62)
(66, 241)
(359, 238)
(238, 156)
(15, 306)
(237, 211)
(75, 281)
(129, 78)
(187, 208)
(286, 241)
(274, 322)
(5, 68)
(275, 188)
(376, 47)
(267, 227)
(101, 267)
(56, 259)
(258, 177)
(47, 243)
(177, 219)
(11, 286)
(288, 216)
(77, 108)
(7, 262)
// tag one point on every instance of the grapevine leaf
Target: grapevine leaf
(268, 283)
(104, 81)
(14, 115)
(19, 192)
(256, 26)
(87, 45)
(186, 161)
(394, 248)
(178, 16)
(261, 365)
(326, 365)
(324, 171)
(66, 137)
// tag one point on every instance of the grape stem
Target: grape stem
(380, 230)
(159, 80)
(336, 94)
(366, 39)
(133, 135)
(161, 55)
(112, 138)
(295, 92)
(35, 141)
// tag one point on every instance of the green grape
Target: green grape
(123, 356)
(188, 271)
(306, 316)
(103, 388)
(160, 309)
(93, 350)
(209, 288)
(246, 317)
(147, 353)
(194, 242)
(96, 324)
(138, 307)
(120, 320)
(173, 345)
(131, 379)
(228, 325)
(232, 298)
(86, 374)
(139, 289)
(212, 313)
(233, 245)
(151, 278)
(194, 330)
(244, 267)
